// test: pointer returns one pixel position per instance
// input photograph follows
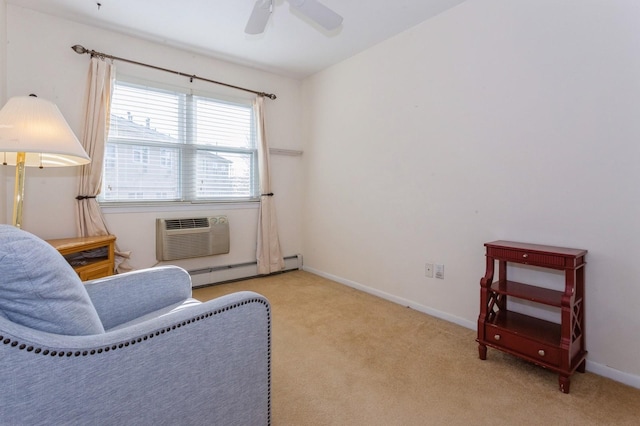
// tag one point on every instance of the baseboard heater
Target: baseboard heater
(227, 273)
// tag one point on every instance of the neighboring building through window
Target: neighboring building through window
(172, 146)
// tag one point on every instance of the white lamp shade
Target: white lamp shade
(36, 127)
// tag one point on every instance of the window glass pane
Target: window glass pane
(140, 113)
(139, 172)
(223, 124)
(224, 174)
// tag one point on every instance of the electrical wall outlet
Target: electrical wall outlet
(428, 270)
(440, 272)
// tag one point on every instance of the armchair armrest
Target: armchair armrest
(125, 297)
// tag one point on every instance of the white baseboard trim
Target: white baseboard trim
(399, 300)
(613, 374)
(593, 367)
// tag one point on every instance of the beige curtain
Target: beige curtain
(96, 128)
(268, 251)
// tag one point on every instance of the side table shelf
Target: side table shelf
(90, 257)
(557, 347)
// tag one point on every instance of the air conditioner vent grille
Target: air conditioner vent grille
(190, 223)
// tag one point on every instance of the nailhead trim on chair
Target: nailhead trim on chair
(14, 343)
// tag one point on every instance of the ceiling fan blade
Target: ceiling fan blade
(318, 12)
(259, 17)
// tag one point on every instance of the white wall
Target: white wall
(495, 120)
(40, 60)
(3, 90)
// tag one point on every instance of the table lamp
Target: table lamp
(33, 133)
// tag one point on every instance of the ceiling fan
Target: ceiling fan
(312, 9)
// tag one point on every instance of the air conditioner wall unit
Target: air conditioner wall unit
(184, 238)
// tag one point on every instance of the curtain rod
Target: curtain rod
(81, 50)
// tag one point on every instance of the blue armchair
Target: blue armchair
(133, 348)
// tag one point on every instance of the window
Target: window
(166, 146)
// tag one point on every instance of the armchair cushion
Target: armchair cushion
(51, 298)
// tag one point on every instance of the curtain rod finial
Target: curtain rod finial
(79, 49)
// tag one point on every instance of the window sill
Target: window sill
(176, 207)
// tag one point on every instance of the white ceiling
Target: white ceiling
(290, 45)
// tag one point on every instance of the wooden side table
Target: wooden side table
(90, 257)
(557, 347)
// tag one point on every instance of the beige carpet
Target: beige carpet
(343, 357)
